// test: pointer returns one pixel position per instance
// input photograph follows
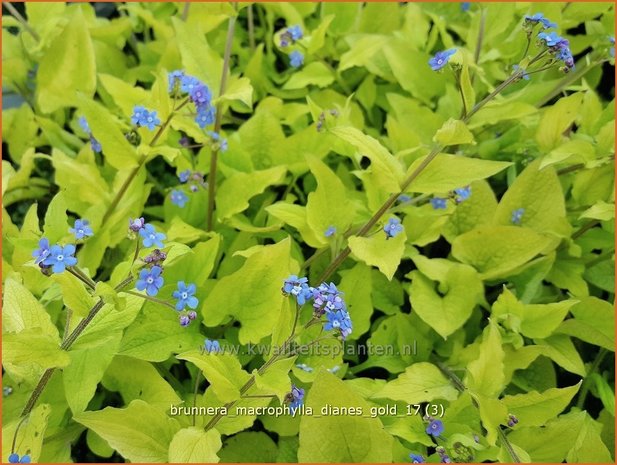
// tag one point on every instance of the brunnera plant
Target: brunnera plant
(316, 232)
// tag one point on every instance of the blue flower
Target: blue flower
(551, 39)
(25, 459)
(81, 229)
(178, 198)
(612, 49)
(188, 83)
(462, 194)
(435, 428)
(296, 59)
(441, 59)
(212, 346)
(216, 137)
(184, 176)
(14, 458)
(512, 420)
(334, 369)
(295, 32)
(136, 224)
(304, 367)
(185, 295)
(151, 120)
(331, 231)
(298, 287)
(42, 252)
(295, 398)
(200, 95)
(404, 198)
(339, 320)
(517, 215)
(83, 122)
(205, 116)
(138, 115)
(539, 18)
(439, 203)
(174, 77)
(95, 144)
(416, 458)
(393, 227)
(151, 237)
(524, 75)
(464, 7)
(60, 257)
(327, 298)
(150, 280)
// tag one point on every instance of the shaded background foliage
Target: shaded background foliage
(512, 310)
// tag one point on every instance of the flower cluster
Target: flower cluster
(15, 458)
(441, 59)
(517, 216)
(393, 227)
(443, 456)
(291, 35)
(538, 18)
(57, 257)
(198, 92)
(462, 193)
(295, 398)
(559, 48)
(327, 300)
(512, 420)
(95, 144)
(416, 458)
(194, 180)
(141, 117)
(211, 346)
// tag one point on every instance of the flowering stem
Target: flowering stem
(151, 299)
(218, 120)
(65, 345)
(82, 278)
(17, 15)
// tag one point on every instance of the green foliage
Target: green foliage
(466, 215)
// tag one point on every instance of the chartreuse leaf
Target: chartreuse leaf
(139, 432)
(556, 119)
(223, 371)
(496, 251)
(485, 375)
(379, 251)
(236, 191)
(531, 320)
(453, 132)
(496, 111)
(340, 438)
(238, 89)
(136, 379)
(67, 67)
(295, 216)
(105, 128)
(601, 210)
(329, 205)
(20, 310)
(276, 380)
(477, 210)
(421, 382)
(74, 294)
(356, 283)
(194, 445)
(447, 172)
(460, 289)
(250, 446)
(593, 322)
(252, 294)
(316, 74)
(561, 350)
(538, 192)
(535, 409)
(56, 220)
(387, 169)
(31, 433)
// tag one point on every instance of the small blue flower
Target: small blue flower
(404, 198)
(298, 287)
(174, 77)
(304, 367)
(83, 122)
(14, 458)
(60, 257)
(339, 320)
(464, 7)
(612, 49)
(393, 227)
(178, 198)
(205, 117)
(200, 95)
(551, 39)
(139, 113)
(439, 203)
(517, 215)
(539, 18)
(441, 59)
(525, 75)
(81, 229)
(151, 120)
(435, 428)
(95, 144)
(185, 295)
(296, 398)
(462, 193)
(334, 369)
(416, 458)
(25, 459)
(212, 346)
(295, 32)
(151, 237)
(331, 231)
(42, 252)
(296, 59)
(184, 176)
(188, 83)
(150, 280)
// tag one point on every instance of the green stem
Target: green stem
(87, 282)
(586, 227)
(17, 15)
(197, 379)
(582, 396)
(151, 299)
(251, 26)
(218, 121)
